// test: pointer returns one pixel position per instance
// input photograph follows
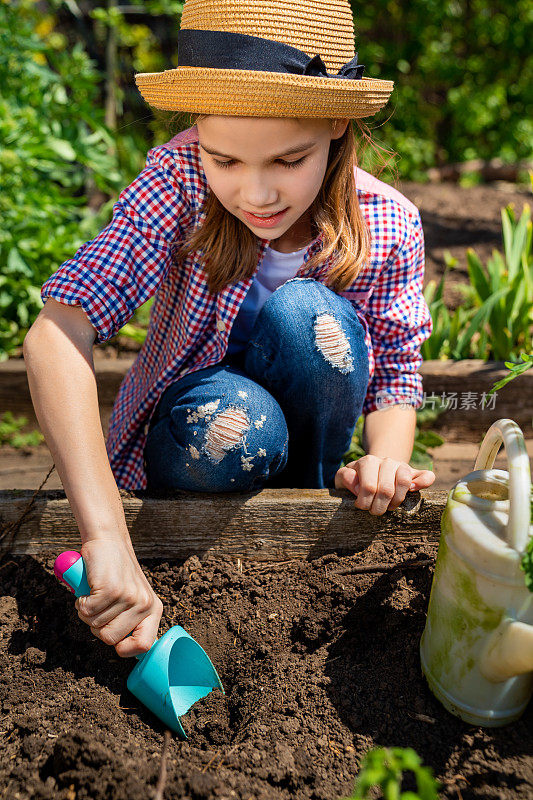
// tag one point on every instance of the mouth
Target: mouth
(265, 222)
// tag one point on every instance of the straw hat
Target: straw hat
(245, 58)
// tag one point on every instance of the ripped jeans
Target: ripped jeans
(279, 414)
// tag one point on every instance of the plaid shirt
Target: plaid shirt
(131, 259)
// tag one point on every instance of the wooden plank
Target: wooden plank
(271, 524)
(471, 421)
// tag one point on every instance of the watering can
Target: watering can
(172, 675)
(477, 646)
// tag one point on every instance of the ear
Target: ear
(339, 127)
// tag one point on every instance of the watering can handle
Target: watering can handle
(507, 431)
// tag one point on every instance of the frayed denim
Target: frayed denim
(279, 414)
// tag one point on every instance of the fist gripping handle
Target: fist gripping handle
(172, 675)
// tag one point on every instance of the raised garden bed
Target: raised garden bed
(318, 654)
(319, 662)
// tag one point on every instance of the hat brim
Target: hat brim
(237, 92)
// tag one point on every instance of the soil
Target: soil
(319, 664)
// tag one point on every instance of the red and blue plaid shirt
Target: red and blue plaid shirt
(131, 260)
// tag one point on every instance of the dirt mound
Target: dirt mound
(319, 663)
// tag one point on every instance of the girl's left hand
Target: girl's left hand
(381, 483)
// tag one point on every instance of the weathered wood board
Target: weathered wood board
(270, 524)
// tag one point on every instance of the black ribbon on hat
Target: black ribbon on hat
(228, 50)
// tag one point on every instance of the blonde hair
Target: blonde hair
(231, 249)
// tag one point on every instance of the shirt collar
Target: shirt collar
(314, 247)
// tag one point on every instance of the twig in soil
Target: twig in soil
(363, 568)
(453, 780)
(210, 761)
(230, 751)
(14, 527)
(160, 788)
(224, 756)
(421, 718)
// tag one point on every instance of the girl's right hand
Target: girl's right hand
(121, 600)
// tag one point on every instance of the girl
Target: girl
(288, 298)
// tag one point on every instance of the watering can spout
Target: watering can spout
(508, 652)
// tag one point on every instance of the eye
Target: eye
(288, 164)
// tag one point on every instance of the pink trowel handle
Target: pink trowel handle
(69, 568)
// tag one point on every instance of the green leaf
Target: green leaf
(475, 272)
(481, 316)
(515, 238)
(16, 265)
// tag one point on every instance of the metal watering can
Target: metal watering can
(172, 675)
(477, 647)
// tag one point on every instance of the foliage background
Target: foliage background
(74, 130)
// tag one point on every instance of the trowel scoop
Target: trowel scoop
(172, 675)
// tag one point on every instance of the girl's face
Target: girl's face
(248, 167)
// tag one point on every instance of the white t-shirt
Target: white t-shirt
(275, 269)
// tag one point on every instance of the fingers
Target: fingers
(142, 637)
(346, 477)
(403, 479)
(106, 616)
(386, 486)
(123, 624)
(368, 469)
(422, 478)
(98, 601)
(381, 484)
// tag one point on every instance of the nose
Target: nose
(257, 193)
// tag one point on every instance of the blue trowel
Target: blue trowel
(172, 675)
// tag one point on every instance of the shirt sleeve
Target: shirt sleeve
(399, 322)
(119, 270)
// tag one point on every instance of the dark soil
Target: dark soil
(319, 664)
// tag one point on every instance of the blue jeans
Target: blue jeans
(280, 414)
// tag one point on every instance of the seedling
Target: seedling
(383, 767)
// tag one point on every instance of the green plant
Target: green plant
(383, 767)
(55, 151)
(527, 560)
(10, 432)
(495, 319)
(52, 141)
(514, 371)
